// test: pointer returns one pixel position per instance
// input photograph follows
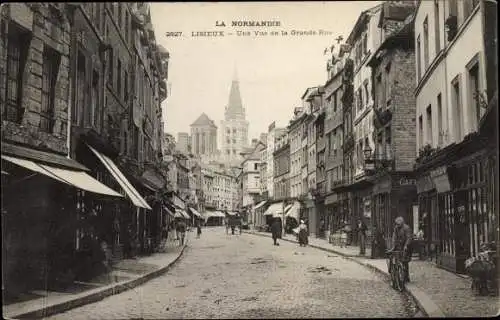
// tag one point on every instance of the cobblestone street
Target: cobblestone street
(245, 276)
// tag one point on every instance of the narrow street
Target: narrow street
(245, 276)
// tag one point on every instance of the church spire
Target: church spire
(234, 108)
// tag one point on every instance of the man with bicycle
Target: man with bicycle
(401, 239)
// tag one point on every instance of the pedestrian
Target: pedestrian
(401, 240)
(275, 230)
(181, 232)
(361, 231)
(343, 235)
(303, 241)
(198, 230)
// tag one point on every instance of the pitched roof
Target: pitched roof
(203, 120)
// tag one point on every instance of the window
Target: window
(380, 92)
(119, 76)
(127, 38)
(428, 136)
(50, 68)
(110, 66)
(367, 92)
(474, 94)
(17, 51)
(457, 103)
(440, 120)
(468, 7)
(388, 86)
(436, 26)
(136, 142)
(365, 44)
(81, 81)
(119, 15)
(388, 143)
(419, 69)
(426, 43)
(94, 106)
(335, 101)
(420, 132)
(360, 99)
(125, 86)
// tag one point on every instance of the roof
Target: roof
(401, 38)
(396, 11)
(360, 22)
(203, 120)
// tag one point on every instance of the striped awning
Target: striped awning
(274, 209)
(129, 189)
(260, 204)
(196, 213)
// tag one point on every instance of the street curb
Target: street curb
(423, 301)
(96, 296)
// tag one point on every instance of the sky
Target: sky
(273, 70)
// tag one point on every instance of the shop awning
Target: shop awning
(231, 213)
(181, 214)
(288, 208)
(275, 208)
(5, 173)
(196, 213)
(294, 211)
(169, 211)
(260, 204)
(78, 179)
(220, 214)
(131, 192)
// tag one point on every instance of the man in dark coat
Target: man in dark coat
(401, 240)
(276, 230)
(361, 231)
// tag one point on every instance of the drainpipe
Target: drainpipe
(73, 65)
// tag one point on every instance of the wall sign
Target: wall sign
(407, 182)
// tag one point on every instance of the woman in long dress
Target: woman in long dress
(302, 234)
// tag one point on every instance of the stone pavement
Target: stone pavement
(244, 276)
(125, 275)
(438, 292)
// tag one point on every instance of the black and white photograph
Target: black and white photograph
(249, 160)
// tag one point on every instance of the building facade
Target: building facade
(203, 136)
(272, 134)
(71, 101)
(281, 156)
(455, 166)
(391, 162)
(250, 175)
(335, 210)
(184, 142)
(295, 133)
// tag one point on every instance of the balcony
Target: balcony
(382, 116)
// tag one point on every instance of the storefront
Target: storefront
(40, 217)
(394, 195)
(336, 207)
(456, 206)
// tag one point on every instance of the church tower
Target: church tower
(234, 127)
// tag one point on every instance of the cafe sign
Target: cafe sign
(407, 182)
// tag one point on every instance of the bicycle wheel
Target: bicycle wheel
(401, 277)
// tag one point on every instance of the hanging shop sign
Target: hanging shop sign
(440, 178)
(424, 184)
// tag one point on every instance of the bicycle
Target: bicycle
(396, 269)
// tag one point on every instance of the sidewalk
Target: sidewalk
(126, 274)
(437, 292)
